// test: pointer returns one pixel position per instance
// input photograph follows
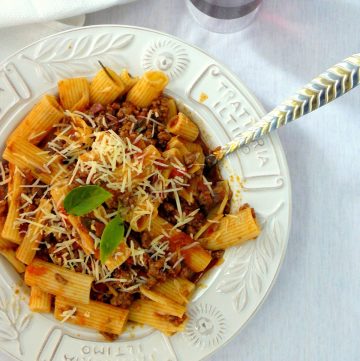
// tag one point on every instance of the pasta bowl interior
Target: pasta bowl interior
(118, 229)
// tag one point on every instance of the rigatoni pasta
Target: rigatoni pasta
(167, 305)
(231, 230)
(149, 313)
(106, 87)
(37, 124)
(40, 301)
(172, 108)
(96, 315)
(120, 256)
(25, 155)
(9, 254)
(74, 93)
(10, 230)
(109, 208)
(29, 245)
(59, 281)
(127, 80)
(148, 88)
(7, 250)
(182, 126)
(196, 258)
(177, 289)
(160, 226)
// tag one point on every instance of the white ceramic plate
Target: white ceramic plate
(258, 174)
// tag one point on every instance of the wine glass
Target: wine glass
(224, 16)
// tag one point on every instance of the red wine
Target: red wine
(226, 9)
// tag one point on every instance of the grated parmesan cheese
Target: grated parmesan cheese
(178, 262)
(26, 198)
(208, 184)
(68, 314)
(86, 116)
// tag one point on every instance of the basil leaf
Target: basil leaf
(84, 199)
(112, 235)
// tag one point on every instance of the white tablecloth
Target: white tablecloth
(313, 311)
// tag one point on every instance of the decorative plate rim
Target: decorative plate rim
(259, 109)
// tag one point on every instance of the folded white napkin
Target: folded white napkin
(36, 19)
(17, 12)
(15, 38)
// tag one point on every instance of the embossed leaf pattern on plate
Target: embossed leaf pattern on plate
(249, 264)
(59, 59)
(13, 319)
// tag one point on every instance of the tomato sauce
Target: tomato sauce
(36, 270)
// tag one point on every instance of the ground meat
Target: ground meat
(35, 193)
(3, 201)
(96, 108)
(123, 198)
(177, 321)
(144, 260)
(169, 211)
(58, 256)
(160, 107)
(163, 137)
(146, 239)
(109, 336)
(3, 191)
(151, 131)
(114, 107)
(135, 237)
(23, 228)
(125, 128)
(190, 229)
(99, 287)
(156, 269)
(129, 121)
(205, 198)
(193, 226)
(3, 208)
(217, 254)
(186, 272)
(37, 198)
(99, 228)
(43, 253)
(50, 239)
(122, 299)
(151, 282)
(219, 192)
(173, 272)
(76, 245)
(126, 108)
(86, 222)
(122, 273)
(111, 118)
(99, 292)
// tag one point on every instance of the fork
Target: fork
(328, 86)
